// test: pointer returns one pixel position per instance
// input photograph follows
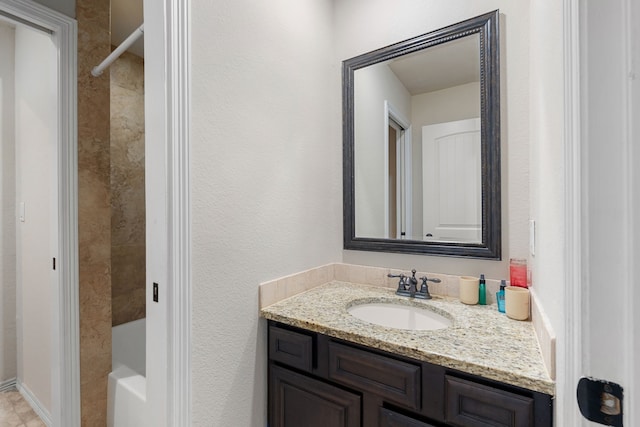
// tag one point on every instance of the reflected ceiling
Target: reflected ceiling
(439, 67)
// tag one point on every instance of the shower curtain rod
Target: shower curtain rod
(98, 70)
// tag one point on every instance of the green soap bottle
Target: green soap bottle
(482, 295)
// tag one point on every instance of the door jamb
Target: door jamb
(570, 354)
(178, 115)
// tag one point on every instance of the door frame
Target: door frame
(574, 355)
(570, 354)
(65, 380)
(167, 118)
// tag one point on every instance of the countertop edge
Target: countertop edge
(534, 384)
(514, 378)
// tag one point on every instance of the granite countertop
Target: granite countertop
(481, 341)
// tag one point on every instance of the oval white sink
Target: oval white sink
(399, 316)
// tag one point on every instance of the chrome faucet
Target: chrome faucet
(408, 285)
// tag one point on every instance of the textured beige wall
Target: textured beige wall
(265, 176)
(127, 190)
(94, 210)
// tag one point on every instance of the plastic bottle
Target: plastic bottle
(482, 295)
(500, 296)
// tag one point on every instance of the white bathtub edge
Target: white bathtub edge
(127, 398)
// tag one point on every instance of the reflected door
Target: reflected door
(452, 202)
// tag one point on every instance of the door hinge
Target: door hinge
(54, 263)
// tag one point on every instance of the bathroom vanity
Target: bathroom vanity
(328, 368)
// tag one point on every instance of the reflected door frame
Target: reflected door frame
(403, 186)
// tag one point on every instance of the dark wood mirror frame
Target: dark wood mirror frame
(490, 247)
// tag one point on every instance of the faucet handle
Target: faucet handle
(402, 283)
(424, 289)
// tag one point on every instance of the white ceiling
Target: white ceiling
(126, 16)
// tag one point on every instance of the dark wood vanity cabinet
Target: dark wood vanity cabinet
(318, 381)
(299, 400)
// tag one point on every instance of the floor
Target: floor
(16, 412)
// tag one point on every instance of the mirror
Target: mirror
(421, 135)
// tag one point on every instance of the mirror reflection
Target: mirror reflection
(417, 145)
(422, 144)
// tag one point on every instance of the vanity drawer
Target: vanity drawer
(391, 379)
(469, 404)
(291, 348)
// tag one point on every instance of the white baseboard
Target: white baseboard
(8, 384)
(35, 404)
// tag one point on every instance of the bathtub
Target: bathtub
(127, 382)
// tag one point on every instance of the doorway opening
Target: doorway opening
(398, 188)
(41, 134)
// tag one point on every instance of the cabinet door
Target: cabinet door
(393, 419)
(297, 400)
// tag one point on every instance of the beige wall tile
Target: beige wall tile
(546, 335)
(267, 293)
(341, 272)
(127, 157)
(285, 287)
(376, 276)
(94, 210)
(320, 275)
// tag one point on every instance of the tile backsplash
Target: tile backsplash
(285, 287)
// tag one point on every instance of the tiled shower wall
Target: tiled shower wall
(127, 190)
(94, 210)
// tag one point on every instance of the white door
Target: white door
(451, 181)
(36, 140)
